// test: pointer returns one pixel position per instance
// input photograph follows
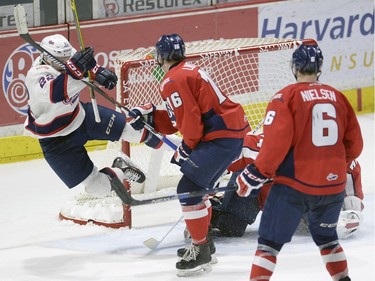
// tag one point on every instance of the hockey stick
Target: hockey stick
(82, 45)
(131, 201)
(258, 127)
(152, 243)
(20, 18)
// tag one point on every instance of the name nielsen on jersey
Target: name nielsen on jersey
(322, 94)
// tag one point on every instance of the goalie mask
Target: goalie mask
(307, 59)
(170, 47)
(58, 46)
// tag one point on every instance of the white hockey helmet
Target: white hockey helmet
(58, 46)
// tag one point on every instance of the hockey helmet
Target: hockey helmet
(58, 46)
(307, 58)
(170, 47)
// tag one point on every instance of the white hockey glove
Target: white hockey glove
(181, 154)
(249, 181)
(142, 113)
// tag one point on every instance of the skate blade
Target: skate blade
(214, 259)
(201, 269)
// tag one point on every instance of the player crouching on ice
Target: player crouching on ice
(231, 214)
(63, 124)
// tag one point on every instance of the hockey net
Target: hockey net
(248, 70)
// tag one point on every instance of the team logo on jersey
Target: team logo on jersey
(15, 70)
(332, 177)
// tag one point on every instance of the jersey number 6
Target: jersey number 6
(324, 131)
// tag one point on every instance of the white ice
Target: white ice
(36, 246)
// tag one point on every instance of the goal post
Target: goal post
(249, 70)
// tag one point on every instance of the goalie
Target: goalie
(232, 214)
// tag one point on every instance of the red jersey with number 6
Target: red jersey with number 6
(198, 108)
(310, 133)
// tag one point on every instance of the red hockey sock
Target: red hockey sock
(335, 261)
(263, 266)
(196, 222)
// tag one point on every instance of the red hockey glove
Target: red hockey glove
(80, 63)
(249, 180)
(181, 154)
(141, 114)
(104, 77)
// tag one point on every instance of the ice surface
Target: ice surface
(36, 246)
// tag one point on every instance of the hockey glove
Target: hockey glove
(249, 181)
(104, 77)
(142, 114)
(80, 63)
(181, 154)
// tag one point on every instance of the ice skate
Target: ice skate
(181, 251)
(195, 261)
(131, 172)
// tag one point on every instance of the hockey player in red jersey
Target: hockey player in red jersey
(231, 214)
(308, 164)
(212, 128)
(63, 124)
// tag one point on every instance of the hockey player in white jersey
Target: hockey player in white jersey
(63, 124)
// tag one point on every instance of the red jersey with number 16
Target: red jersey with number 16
(198, 108)
(310, 134)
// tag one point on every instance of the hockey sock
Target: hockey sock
(264, 263)
(196, 219)
(335, 260)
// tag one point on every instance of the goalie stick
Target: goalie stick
(82, 45)
(23, 32)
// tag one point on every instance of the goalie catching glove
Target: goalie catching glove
(142, 114)
(104, 77)
(80, 63)
(249, 181)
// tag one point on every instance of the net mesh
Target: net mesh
(248, 70)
